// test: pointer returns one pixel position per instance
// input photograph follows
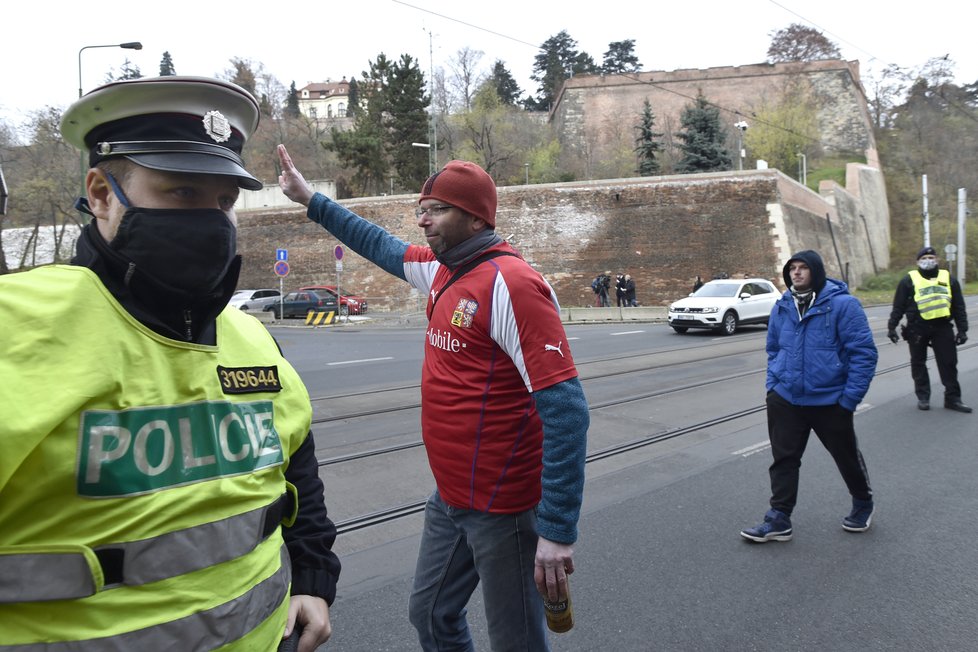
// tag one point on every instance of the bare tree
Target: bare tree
(800, 43)
(466, 77)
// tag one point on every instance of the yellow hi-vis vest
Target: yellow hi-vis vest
(932, 295)
(141, 478)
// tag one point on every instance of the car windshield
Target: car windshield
(717, 290)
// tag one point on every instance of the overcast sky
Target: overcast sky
(316, 41)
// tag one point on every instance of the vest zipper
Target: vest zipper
(187, 321)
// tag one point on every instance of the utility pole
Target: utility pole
(926, 215)
(962, 232)
(433, 152)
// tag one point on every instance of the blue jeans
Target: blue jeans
(460, 548)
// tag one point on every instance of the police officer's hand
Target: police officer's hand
(313, 614)
(960, 338)
(892, 334)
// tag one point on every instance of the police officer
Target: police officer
(931, 299)
(158, 478)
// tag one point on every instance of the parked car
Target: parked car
(725, 304)
(350, 304)
(299, 303)
(253, 299)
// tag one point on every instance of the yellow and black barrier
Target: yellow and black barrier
(320, 317)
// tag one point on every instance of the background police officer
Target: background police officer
(931, 299)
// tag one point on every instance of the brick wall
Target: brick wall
(661, 230)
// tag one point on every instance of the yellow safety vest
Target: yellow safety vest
(141, 479)
(932, 295)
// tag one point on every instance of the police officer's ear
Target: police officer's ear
(99, 192)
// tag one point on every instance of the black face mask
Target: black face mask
(186, 250)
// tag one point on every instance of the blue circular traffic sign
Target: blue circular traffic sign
(281, 268)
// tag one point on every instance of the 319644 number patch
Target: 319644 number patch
(249, 380)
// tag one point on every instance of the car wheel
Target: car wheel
(344, 310)
(729, 325)
(680, 329)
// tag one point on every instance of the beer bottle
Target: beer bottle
(560, 614)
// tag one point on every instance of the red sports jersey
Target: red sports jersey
(494, 336)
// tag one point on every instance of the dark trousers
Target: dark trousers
(789, 427)
(941, 339)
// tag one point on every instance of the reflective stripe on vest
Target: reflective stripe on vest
(204, 630)
(932, 295)
(75, 571)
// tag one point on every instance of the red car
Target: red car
(350, 304)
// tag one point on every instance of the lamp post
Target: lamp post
(804, 168)
(741, 128)
(431, 164)
(526, 167)
(129, 45)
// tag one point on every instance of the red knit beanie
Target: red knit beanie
(466, 186)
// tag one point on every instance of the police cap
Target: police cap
(194, 125)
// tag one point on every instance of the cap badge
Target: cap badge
(217, 126)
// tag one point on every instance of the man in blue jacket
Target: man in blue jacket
(820, 360)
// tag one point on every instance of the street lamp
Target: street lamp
(130, 45)
(741, 128)
(431, 164)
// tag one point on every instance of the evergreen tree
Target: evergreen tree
(166, 66)
(505, 86)
(558, 60)
(364, 148)
(647, 145)
(128, 70)
(353, 102)
(407, 122)
(703, 139)
(620, 58)
(292, 102)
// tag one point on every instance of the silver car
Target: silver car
(253, 299)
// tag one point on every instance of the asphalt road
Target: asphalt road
(660, 564)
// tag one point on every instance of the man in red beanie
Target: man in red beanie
(503, 414)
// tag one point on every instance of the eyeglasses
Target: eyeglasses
(432, 210)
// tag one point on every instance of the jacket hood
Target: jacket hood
(814, 262)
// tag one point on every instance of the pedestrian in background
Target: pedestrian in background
(620, 300)
(932, 301)
(698, 283)
(630, 291)
(503, 415)
(158, 481)
(821, 360)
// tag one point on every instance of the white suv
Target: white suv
(724, 304)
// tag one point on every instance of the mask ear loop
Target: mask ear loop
(117, 190)
(81, 204)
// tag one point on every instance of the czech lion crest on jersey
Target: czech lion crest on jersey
(464, 312)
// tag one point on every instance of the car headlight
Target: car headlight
(711, 309)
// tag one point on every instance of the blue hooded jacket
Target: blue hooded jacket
(827, 356)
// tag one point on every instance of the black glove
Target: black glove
(960, 338)
(892, 334)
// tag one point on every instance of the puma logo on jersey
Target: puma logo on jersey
(551, 347)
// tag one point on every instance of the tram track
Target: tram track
(394, 513)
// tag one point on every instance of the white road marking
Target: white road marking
(330, 364)
(628, 332)
(752, 449)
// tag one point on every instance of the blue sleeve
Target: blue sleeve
(564, 412)
(366, 238)
(860, 351)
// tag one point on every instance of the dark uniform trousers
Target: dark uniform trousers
(940, 337)
(789, 427)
